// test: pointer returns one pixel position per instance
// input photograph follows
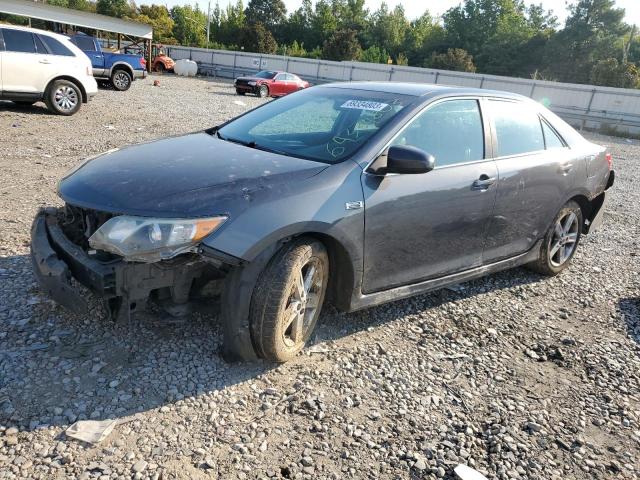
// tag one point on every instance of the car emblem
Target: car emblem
(353, 205)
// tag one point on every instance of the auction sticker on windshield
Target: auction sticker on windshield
(364, 105)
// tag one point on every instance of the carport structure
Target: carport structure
(133, 32)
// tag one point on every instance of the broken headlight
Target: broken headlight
(142, 239)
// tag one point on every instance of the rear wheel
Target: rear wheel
(63, 97)
(263, 91)
(159, 67)
(287, 299)
(121, 80)
(560, 242)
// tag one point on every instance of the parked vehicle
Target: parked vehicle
(267, 83)
(161, 61)
(37, 65)
(358, 193)
(120, 69)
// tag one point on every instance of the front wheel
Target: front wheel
(560, 242)
(287, 299)
(63, 97)
(121, 80)
(263, 91)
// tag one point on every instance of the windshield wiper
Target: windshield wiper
(253, 144)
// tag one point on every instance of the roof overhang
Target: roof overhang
(78, 18)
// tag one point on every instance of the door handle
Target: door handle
(45, 61)
(565, 168)
(482, 183)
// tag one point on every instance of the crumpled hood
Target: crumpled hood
(190, 175)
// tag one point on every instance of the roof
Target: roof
(76, 18)
(420, 89)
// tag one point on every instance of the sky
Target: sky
(415, 8)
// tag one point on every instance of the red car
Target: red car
(267, 83)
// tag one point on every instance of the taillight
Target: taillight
(143, 62)
(609, 160)
(90, 71)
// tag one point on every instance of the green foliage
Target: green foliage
(453, 59)
(611, 73)
(343, 45)
(269, 13)
(114, 8)
(374, 54)
(158, 17)
(189, 25)
(256, 38)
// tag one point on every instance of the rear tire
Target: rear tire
(288, 298)
(63, 97)
(121, 80)
(560, 242)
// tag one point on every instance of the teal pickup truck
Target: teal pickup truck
(120, 69)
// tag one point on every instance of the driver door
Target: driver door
(423, 226)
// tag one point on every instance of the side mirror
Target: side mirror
(403, 159)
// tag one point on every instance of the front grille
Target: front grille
(242, 83)
(78, 224)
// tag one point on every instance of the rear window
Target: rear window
(56, 47)
(18, 41)
(85, 43)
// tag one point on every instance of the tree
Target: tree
(158, 17)
(323, 23)
(343, 45)
(374, 54)
(454, 59)
(113, 8)
(611, 73)
(256, 38)
(388, 29)
(270, 13)
(189, 25)
(232, 23)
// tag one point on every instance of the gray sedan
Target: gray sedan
(354, 194)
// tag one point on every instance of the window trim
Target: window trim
(1, 40)
(548, 124)
(486, 133)
(38, 38)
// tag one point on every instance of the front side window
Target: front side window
(551, 138)
(281, 78)
(451, 131)
(518, 128)
(325, 124)
(18, 41)
(56, 47)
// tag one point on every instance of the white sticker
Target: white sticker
(364, 105)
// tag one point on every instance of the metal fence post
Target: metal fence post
(391, 73)
(584, 121)
(235, 54)
(318, 72)
(533, 87)
(435, 80)
(351, 73)
(482, 82)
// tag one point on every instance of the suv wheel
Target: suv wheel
(561, 241)
(121, 80)
(287, 299)
(63, 97)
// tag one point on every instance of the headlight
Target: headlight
(143, 239)
(253, 84)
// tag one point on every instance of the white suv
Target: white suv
(37, 65)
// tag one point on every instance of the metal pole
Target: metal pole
(584, 121)
(208, 22)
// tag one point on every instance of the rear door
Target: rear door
(22, 67)
(536, 172)
(429, 225)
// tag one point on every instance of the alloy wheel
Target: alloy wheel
(302, 304)
(66, 98)
(564, 239)
(121, 80)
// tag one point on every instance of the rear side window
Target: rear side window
(551, 138)
(56, 47)
(451, 131)
(518, 128)
(18, 41)
(85, 43)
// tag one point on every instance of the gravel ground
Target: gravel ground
(516, 375)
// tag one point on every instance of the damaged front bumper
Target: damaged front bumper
(124, 286)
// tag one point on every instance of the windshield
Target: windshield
(265, 74)
(321, 124)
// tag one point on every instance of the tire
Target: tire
(159, 67)
(277, 307)
(560, 242)
(240, 92)
(63, 97)
(263, 91)
(121, 80)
